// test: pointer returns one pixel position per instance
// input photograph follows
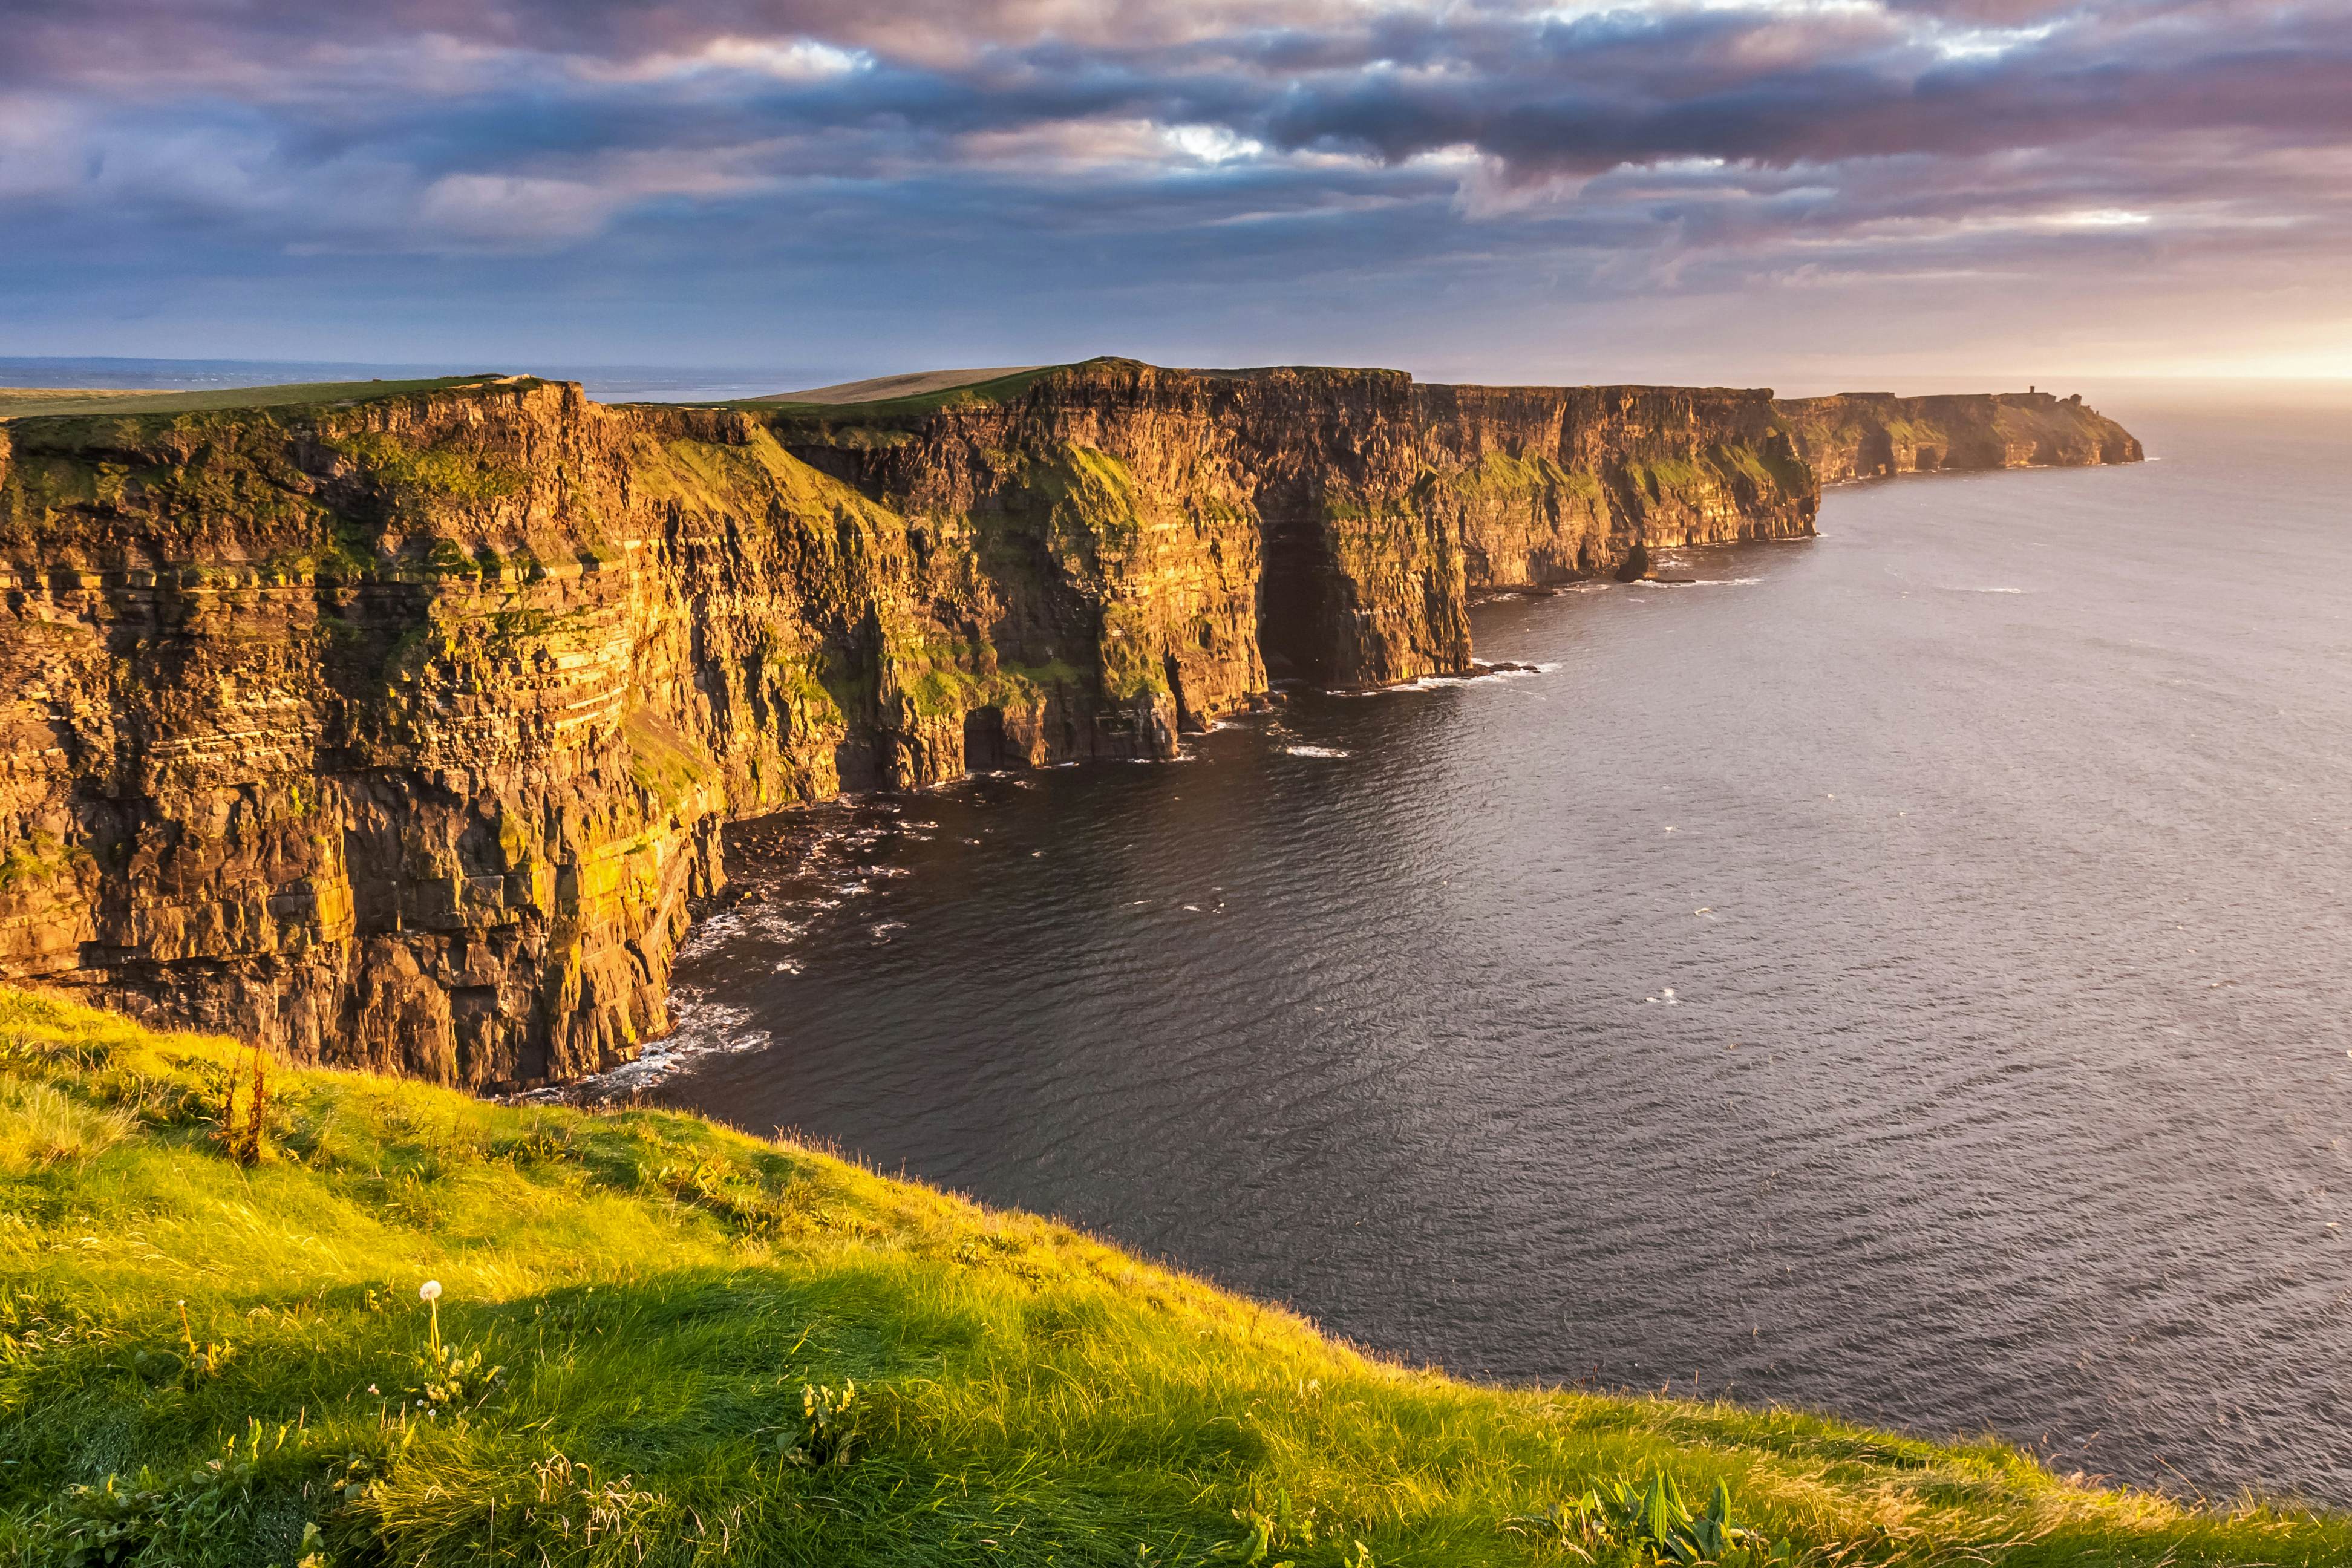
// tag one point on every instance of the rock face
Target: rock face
(1549, 484)
(398, 732)
(1873, 434)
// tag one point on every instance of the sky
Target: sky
(1802, 193)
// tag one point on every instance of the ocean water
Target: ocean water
(1905, 973)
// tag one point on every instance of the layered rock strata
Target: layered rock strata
(399, 731)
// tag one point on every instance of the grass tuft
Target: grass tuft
(41, 1125)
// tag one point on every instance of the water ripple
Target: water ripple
(2005, 1084)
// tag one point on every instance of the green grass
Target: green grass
(640, 1309)
(29, 402)
(661, 762)
(913, 384)
(894, 411)
(63, 400)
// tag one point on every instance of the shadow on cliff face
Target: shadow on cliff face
(1294, 602)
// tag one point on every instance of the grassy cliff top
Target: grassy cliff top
(931, 395)
(213, 1351)
(32, 401)
(924, 392)
(883, 412)
(889, 388)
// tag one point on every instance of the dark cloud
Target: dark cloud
(1429, 163)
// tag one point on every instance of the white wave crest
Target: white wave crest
(704, 1029)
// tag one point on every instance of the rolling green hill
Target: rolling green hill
(660, 1341)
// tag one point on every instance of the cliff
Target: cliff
(396, 727)
(1873, 434)
(1355, 505)
(1546, 484)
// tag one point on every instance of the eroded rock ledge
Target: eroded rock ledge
(398, 732)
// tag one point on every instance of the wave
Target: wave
(704, 1029)
(1445, 682)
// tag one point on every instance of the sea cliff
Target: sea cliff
(397, 730)
(1875, 435)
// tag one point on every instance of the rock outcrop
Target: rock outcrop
(399, 731)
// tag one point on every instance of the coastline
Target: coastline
(459, 681)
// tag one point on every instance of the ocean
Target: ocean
(1902, 972)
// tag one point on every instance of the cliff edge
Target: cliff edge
(395, 727)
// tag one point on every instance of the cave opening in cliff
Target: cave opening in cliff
(1188, 718)
(1875, 453)
(1294, 600)
(983, 739)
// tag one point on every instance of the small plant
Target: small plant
(203, 1361)
(1292, 1532)
(570, 1501)
(829, 1426)
(996, 1251)
(539, 1143)
(985, 1249)
(1653, 1525)
(453, 1379)
(164, 1517)
(243, 1138)
(115, 1521)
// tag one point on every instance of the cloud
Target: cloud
(782, 60)
(501, 211)
(1579, 152)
